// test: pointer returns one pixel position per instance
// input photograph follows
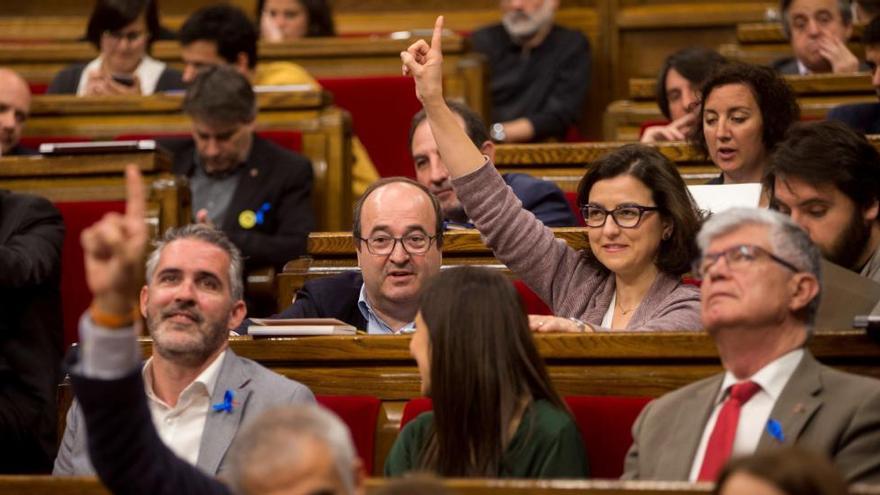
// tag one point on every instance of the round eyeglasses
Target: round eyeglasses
(625, 216)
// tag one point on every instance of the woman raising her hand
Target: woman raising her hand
(641, 223)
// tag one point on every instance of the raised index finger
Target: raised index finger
(436, 43)
(135, 198)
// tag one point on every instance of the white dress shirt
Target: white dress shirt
(181, 427)
(755, 413)
(148, 72)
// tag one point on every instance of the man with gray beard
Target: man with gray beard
(199, 391)
(540, 72)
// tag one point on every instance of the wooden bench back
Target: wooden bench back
(326, 133)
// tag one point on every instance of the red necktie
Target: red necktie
(721, 441)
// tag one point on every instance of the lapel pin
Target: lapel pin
(774, 429)
(227, 403)
(254, 172)
(799, 408)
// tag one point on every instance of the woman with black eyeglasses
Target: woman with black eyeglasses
(123, 32)
(642, 224)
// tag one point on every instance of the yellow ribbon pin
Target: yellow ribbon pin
(247, 219)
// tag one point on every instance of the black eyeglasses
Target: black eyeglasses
(414, 243)
(738, 257)
(625, 216)
(131, 36)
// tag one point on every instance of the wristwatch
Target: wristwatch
(497, 132)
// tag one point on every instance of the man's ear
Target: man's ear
(241, 64)
(871, 211)
(144, 298)
(488, 149)
(804, 288)
(237, 314)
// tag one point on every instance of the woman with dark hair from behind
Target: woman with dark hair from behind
(745, 112)
(785, 471)
(678, 92)
(496, 414)
(290, 20)
(123, 32)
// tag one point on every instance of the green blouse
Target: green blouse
(547, 444)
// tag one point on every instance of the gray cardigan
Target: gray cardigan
(558, 273)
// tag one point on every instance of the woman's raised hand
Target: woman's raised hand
(425, 64)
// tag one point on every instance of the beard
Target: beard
(849, 246)
(522, 26)
(205, 337)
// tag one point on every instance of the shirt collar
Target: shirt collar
(206, 381)
(374, 323)
(772, 377)
(802, 69)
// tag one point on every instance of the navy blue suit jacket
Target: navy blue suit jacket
(543, 198)
(863, 117)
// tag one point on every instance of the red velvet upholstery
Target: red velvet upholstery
(572, 199)
(381, 109)
(651, 123)
(413, 408)
(34, 142)
(38, 88)
(533, 304)
(361, 414)
(75, 295)
(606, 428)
(605, 424)
(290, 140)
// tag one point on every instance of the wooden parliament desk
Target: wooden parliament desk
(566, 163)
(74, 178)
(325, 130)
(331, 253)
(48, 485)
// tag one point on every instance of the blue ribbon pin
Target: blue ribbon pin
(775, 430)
(261, 213)
(226, 405)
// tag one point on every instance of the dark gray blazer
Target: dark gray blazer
(820, 409)
(256, 389)
(67, 81)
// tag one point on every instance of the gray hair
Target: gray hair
(209, 235)
(272, 442)
(221, 94)
(788, 241)
(844, 8)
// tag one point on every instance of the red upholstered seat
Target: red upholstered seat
(381, 109)
(605, 424)
(38, 88)
(532, 303)
(651, 123)
(572, 199)
(361, 414)
(606, 428)
(75, 295)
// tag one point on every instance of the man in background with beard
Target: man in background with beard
(540, 72)
(199, 391)
(827, 178)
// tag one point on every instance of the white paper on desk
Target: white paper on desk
(265, 327)
(719, 197)
(845, 294)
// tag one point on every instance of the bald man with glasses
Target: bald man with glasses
(398, 237)
(759, 295)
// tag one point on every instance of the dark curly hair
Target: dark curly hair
(775, 98)
(694, 64)
(669, 193)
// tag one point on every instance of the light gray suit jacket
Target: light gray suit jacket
(256, 389)
(820, 409)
